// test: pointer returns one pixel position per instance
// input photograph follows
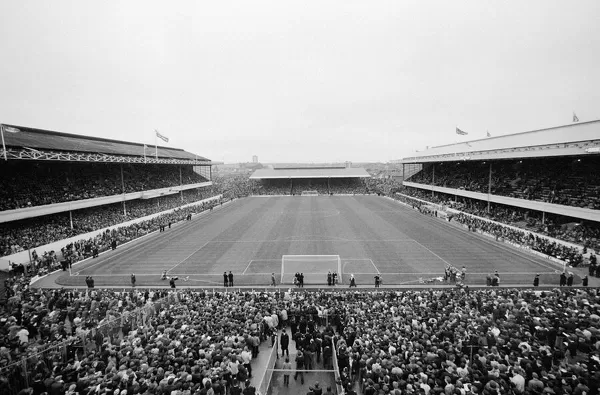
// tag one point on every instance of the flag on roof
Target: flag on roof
(160, 136)
(458, 131)
(145, 147)
(575, 119)
(488, 134)
(10, 129)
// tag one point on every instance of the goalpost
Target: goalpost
(314, 268)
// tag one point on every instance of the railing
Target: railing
(336, 368)
(265, 382)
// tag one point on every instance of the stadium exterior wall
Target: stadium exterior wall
(575, 212)
(23, 256)
(37, 211)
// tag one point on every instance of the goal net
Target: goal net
(314, 268)
(310, 193)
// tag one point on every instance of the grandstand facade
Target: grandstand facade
(57, 187)
(314, 179)
(543, 180)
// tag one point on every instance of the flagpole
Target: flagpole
(3, 145)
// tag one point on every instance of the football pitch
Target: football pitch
(372, 235)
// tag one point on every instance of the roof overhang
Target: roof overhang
(570, 140)
(23, 142)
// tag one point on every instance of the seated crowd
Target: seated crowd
(443, 342)
(31, 233)
(26, 184)
(585, 235)
(566, 181)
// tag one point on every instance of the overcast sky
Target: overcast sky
(301, 81)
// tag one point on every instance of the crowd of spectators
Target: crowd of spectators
(576, 231)
(16, 236)
(336, 186)
(85, 248)
(567, 181)
(450, 341)
(232, 185)
(26, 184)
(572, 255)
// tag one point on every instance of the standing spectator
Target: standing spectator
(563, 279)
(352, 281)
(230, 279)
(273, 282)
(584, 281)
(285, 342)
(133, 279)
(377, 281)
(246, 356)
(536, 280)
(570, 280)
(299, 366)
(287, 367)
(225, 279)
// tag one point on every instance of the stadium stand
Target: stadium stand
(544, 181)
(324, 180)
(566, 181)
(46, 169)
(26, 184)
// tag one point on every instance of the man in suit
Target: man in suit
(225, 279)
(230, 279)
(285, 342)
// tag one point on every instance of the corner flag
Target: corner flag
(575, 119)
(458, 131)
(488, 134)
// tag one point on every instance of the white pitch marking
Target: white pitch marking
(378, 272)
(439, 257)
(186, 258)
(247, 266)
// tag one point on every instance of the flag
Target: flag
(160, 136)
(488, 134)
(458, 131)
(468, 145)
(10, 129)
(575, 119)
(145, 147)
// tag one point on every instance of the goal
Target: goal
(314, 268)
(309, 193)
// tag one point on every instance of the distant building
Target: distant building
(254, 159)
